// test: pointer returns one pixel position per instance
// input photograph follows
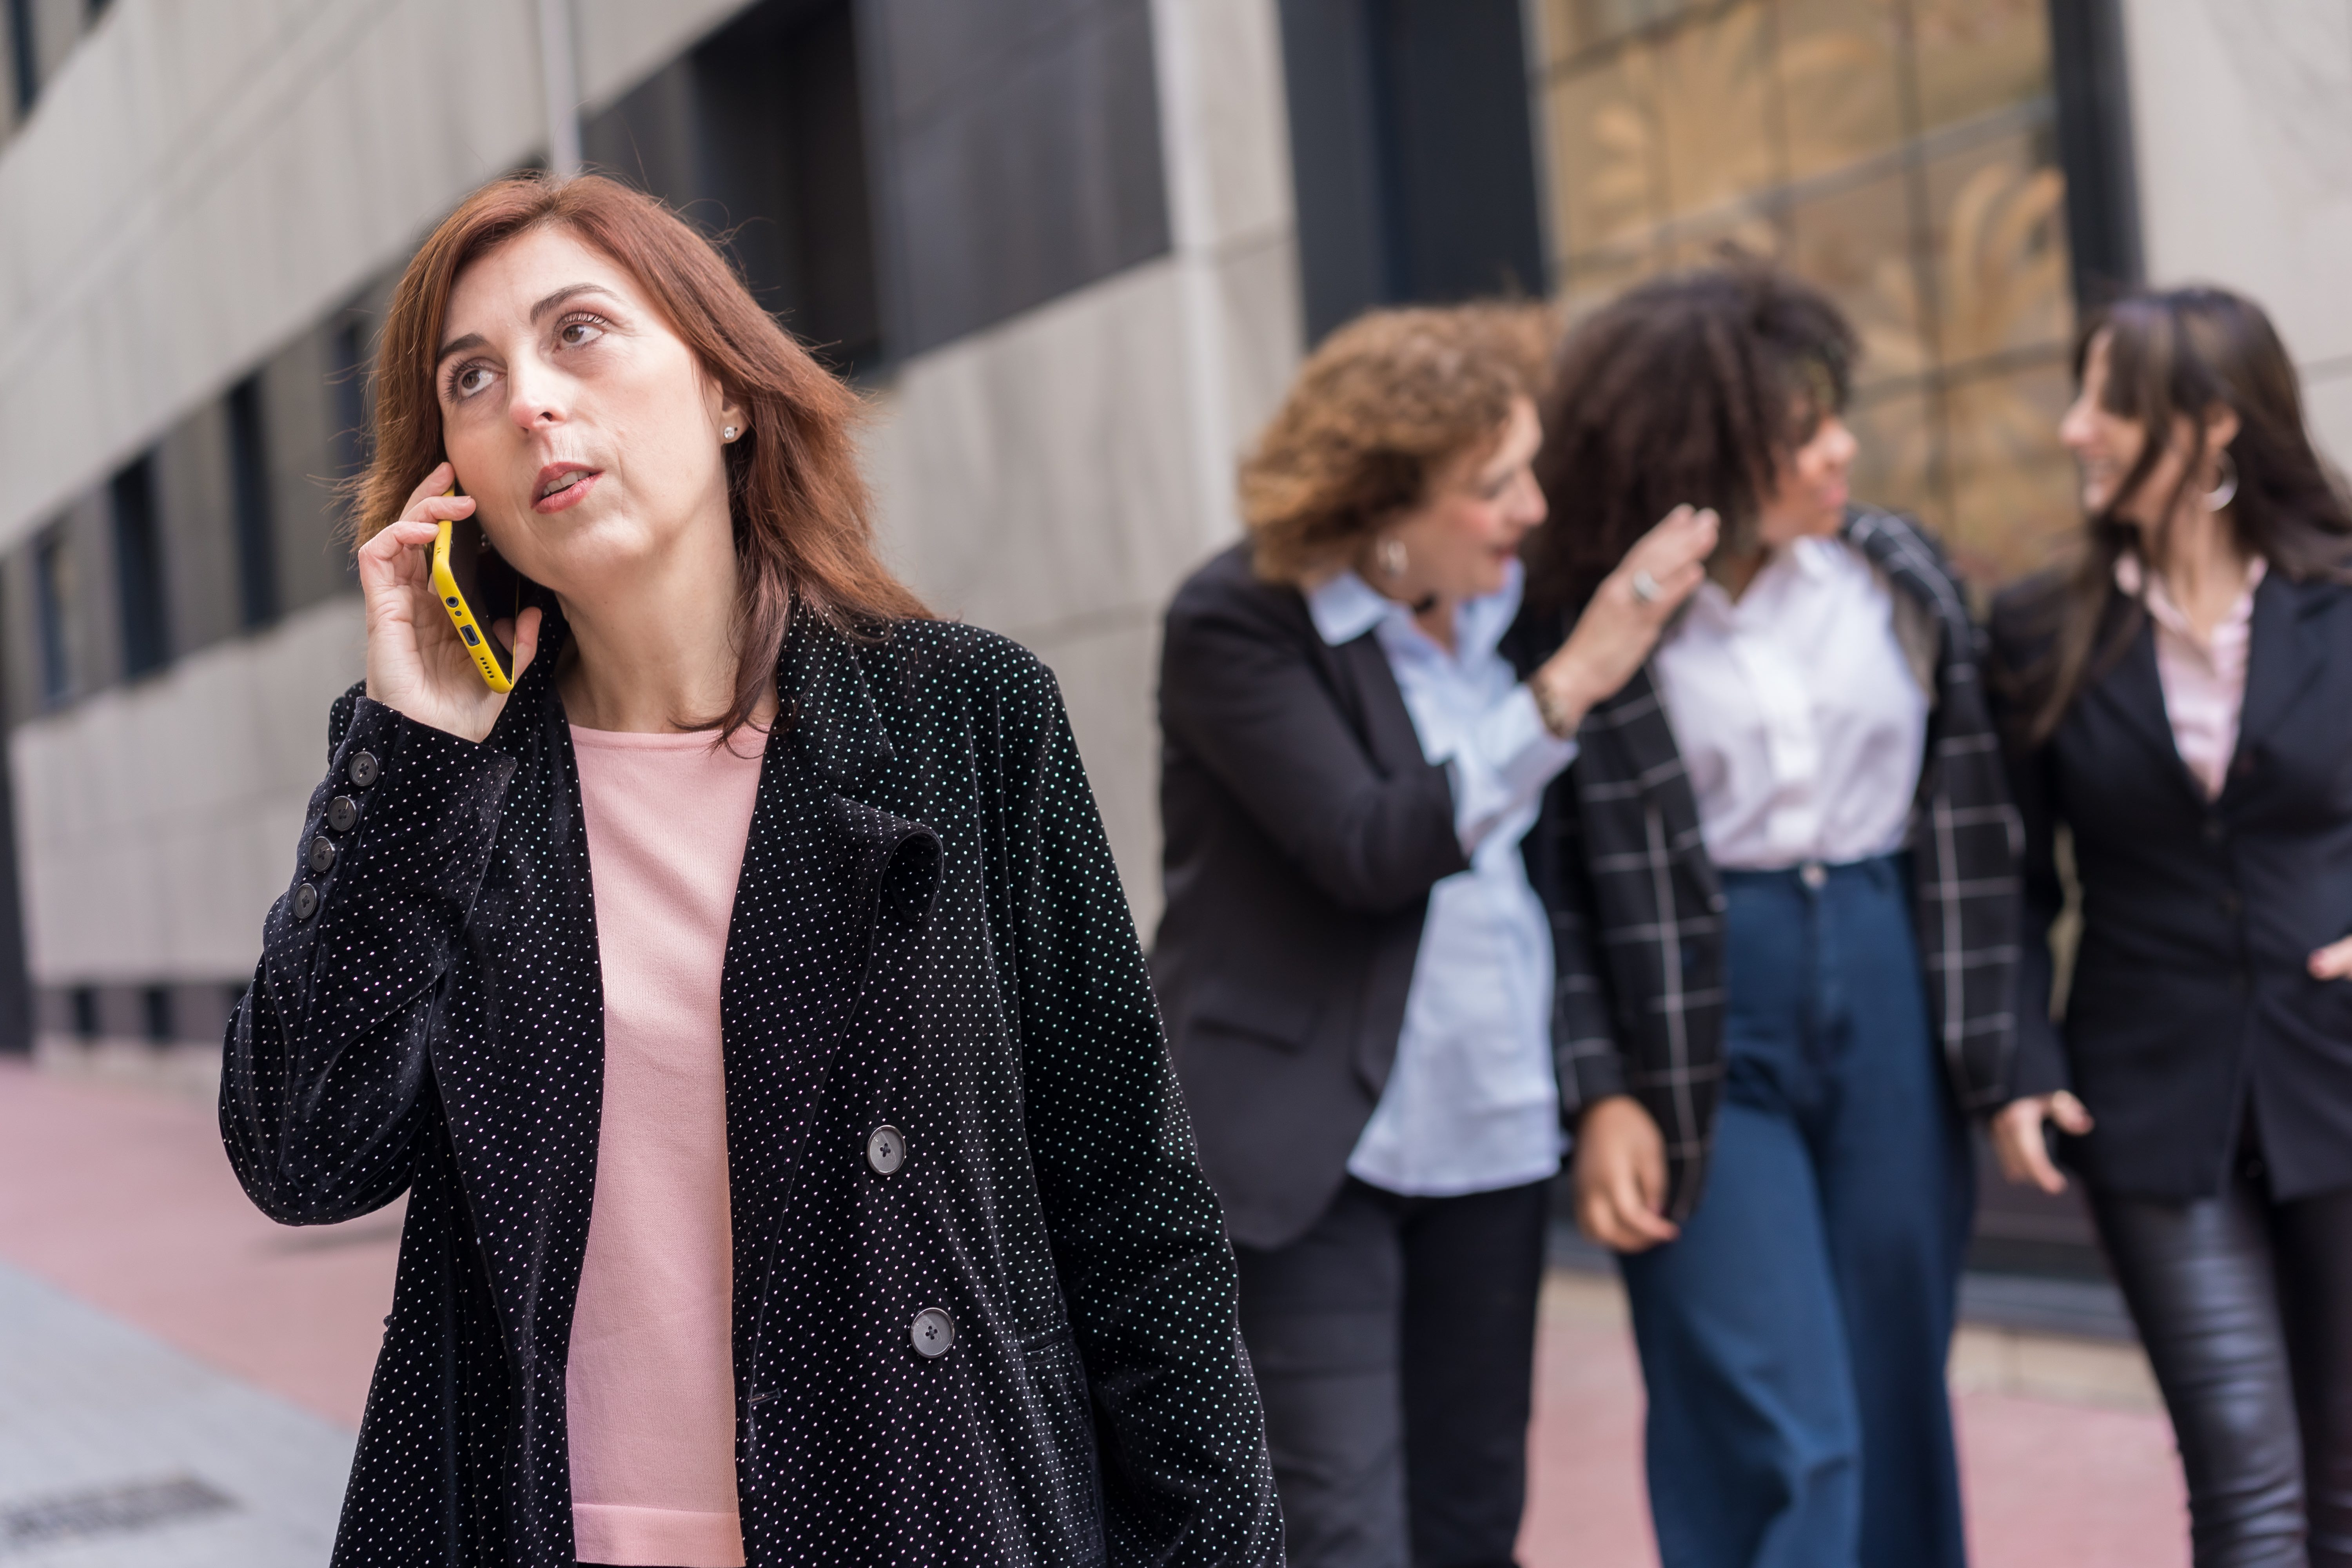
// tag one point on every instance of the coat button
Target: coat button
(322, 854)
(934, 1332)
(886, 1150)
(364, 769)
(341, 811)
(2214, 832)
(2233, 905)
(306, 902)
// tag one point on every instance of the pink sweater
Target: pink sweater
(651, 1379)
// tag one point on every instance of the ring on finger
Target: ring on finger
(1645, 587)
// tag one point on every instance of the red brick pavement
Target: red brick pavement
(121, 1197)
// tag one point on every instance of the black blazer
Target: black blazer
(2189, 1001)
(927, 933)
(1304, 829)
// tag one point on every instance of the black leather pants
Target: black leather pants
(2245, 1306)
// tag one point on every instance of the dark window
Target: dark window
(781, 107)
(761, 132)
(24, 56)
(54, 597)
(139, 570)
(1411, 153)
(256, 543)
(85, 1012)
(347, 378)
(1018, 152)
(155, 1012)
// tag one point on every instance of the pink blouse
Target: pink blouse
(2204, 678)
(651, 1379)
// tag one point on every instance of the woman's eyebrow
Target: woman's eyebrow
(569, 291)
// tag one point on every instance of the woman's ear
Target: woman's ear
(2221, 427)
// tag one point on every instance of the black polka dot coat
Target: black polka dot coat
(928, 934)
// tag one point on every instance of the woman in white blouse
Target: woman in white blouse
(1779, 871)
(2180, 704)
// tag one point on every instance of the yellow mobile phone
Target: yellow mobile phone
(466, 574)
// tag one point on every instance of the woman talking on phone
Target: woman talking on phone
(745, 1001)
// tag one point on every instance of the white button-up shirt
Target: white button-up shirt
(1797, 714)
(1472, 1103)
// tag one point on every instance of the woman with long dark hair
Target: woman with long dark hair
(2179, 706)
(1782, 871)
(745, 1002)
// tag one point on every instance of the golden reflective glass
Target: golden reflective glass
(1935, 219)
(1897, 437)
(1979, 55)
(1749, 233)
(1996, 220)
(1856, 245)
(1571, 27)
(1712, 109)
(1604, 153)
(1593, 280)
(1837, 71)
(2012, 485)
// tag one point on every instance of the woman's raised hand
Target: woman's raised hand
(1621, 626)
(414, 662)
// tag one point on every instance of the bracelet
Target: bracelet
(1551, 709)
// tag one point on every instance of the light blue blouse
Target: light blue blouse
(1472, 1104)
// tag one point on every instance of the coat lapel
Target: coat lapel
(2134, 692)
(1380, 710)
(518, 1061)
(824, 872)
(2287, 652)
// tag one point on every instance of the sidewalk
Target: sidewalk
(182, 1378)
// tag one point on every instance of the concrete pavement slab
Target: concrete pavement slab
(117, 1451)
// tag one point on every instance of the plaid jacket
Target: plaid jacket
(1637, 909)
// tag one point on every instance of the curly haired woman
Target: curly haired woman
(1356, 975)
(1783, 873)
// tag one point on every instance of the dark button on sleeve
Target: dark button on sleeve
(322, 855)
(364, 769)
(886, 1150)
(934, 1332)
(341, 811)
(306, 902)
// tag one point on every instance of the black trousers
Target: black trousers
(1394, 1346)
(2245, 1306)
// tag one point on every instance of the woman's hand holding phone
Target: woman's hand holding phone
(415, 661)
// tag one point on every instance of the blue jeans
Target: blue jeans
(1794, 1337)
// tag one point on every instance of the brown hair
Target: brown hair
(800, 507)
(1379, 407)
(1690, 389)
(2175, 355)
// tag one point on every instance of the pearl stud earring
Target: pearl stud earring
(728, 434)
